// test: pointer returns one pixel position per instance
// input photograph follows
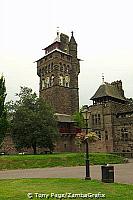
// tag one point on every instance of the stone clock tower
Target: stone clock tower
(58, 71)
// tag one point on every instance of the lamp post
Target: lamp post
(86, 115)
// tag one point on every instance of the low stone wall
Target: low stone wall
(124, 154)
(66, 143)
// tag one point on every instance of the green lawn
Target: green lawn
(18, 189)
(53, 160)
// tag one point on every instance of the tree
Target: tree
(33, 123)
(3, 117)
(79, 119)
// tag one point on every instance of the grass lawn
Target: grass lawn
(53, 160)
(18, 189)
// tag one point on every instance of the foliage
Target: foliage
(91, 136)
(33, 123)
(55, 160)
(3, 116)
(82, 138)
(79, 119)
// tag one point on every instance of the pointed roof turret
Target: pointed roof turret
(110, 90)
(72, 40)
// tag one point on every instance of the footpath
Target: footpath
(123, 172)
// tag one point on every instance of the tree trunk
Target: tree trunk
(34, 148)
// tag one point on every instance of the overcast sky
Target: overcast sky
(103, 30)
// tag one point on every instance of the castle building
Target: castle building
(111, 112)
(58, 70)
(112, 118)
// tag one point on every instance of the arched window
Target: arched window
(67, 81)
(61, 67)
(67, 69)
(61, 80)
(47, 81)
(52, 80)
(46, 69)
(43, 83)
(51, 66)
(64, 67)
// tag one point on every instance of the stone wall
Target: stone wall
(116, 130)
(61, 63)
(7, 145)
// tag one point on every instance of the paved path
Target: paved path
(123, 173)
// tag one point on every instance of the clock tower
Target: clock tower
(58, 70)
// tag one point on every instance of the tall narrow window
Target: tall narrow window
(61, 80)
(96, 119)
(65, 146)
(67, 81)
(52, 80)
(61, 67)
(124, 134)
(93, 120)
(99, 135)
(43, 83)
(47, 82)
(67, 69)
(106, 135)
(51, 66)
(46, 69)
(99, 119)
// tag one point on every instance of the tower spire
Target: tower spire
(102, 78)
(57, 39)
(58, 30)
(72, 33)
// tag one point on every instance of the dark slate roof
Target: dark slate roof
(126, 108)
(109, 90)
(64, 118)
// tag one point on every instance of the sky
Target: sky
(103, 30)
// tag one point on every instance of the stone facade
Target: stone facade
(112, 118)
(7, 145)
(58, 71)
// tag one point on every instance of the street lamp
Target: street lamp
(86, 115)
